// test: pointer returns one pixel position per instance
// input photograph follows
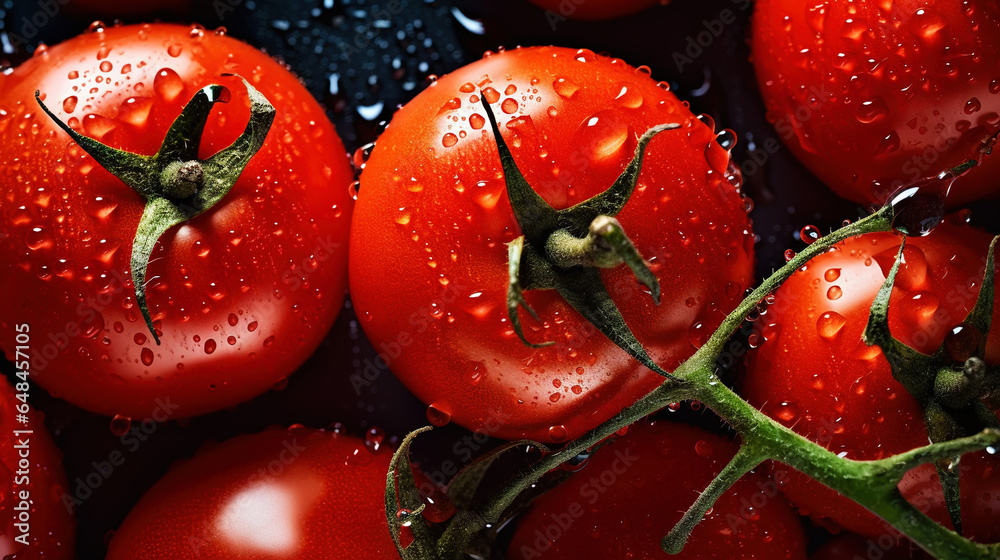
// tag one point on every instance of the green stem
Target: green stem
(879, 221)
(460, 532)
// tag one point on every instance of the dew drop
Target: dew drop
(477, 121)
(972, 106)
(809, 234)
(565, 87)
(558, 433)
(437, 415)
(147, 356)
(210, 346)
(69, 104)
(704, 448)
(120, 425)
(962, 342)
(832, 274)
(830, 324)
(167, 84)
(450, 139)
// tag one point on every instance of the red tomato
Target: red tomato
(592, 9)
(279, 494)
(429, 265)
(633, 491)
(45, 528)
(814, 374)
(854, 547)
(242, 294)
(872, 94)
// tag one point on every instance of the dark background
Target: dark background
(426, 37)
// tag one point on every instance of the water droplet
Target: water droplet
(962, 342)
(135, 110)
(69, 104)
(269, 341)
(919, 208)
(787, 412)
(175, 49)
(871, 110)
(698, 334)
(834, 293)
(450, 139)
(789, 255)
(491, 95)
(809, 234)
(437, 415)
(477, 121)
(96, 26)
(120, 425)
(888, 144)
(106, 66)
(830, 324)
(374, 438)
(210, 346)
(147, 356)
(565, 87)
(167, 84)
(558, 433)
(972, 106)
(704, 448)
(509, 106)
(139, 338)
(832, 274)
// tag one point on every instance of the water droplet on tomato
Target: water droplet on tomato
(704, 448)
(450, 139)
(477, 121)
(69, 104)
(830, 324)
(135, 110)
(973, 105)
(175, 49)
(210, 346)
(789, 255)
(832, 274)
(167, 84)
(565, 87)
(962, 342)
(871, 110)
(120, 425)
(437, 415)
(834, 293)
(558, 433)
(147, 356)
(787, 412)
(96, 26)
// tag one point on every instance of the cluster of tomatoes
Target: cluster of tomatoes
(418, 227)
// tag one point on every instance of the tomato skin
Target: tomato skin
(632, 492)
(428, 266)
(852, 547)
(50, 525)
(895, 91)
(593, 10)
(815, 375)
(278, 494)
(242, 294)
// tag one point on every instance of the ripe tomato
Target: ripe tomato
(428, 257)
(632, 492)
(592, 9)
(814, 374)
(295, 493)
(852, 547)
(44, 529)
(901, 90)
(242, 294)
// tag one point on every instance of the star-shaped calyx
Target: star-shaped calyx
(176, 185)
(953, 385)
(563, 250)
